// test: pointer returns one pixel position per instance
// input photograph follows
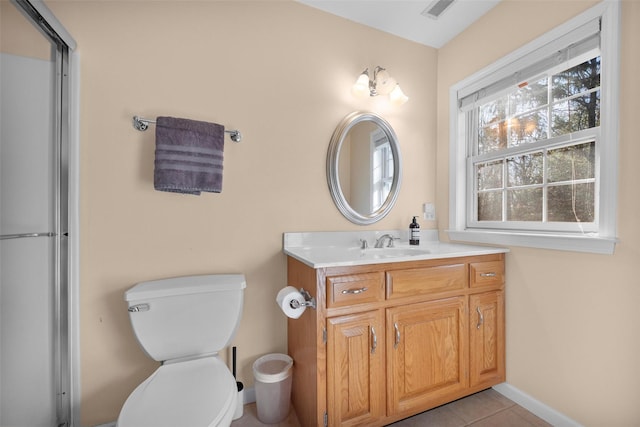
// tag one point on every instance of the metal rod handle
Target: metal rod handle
(355, 291)
(492, 274)
(480, 318)
(395, 326)
(20, 236)
(374, 340)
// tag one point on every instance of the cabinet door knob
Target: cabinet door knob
(374, 340)
(480, 318)
(395, 326)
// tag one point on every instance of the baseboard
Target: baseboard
(536, 407)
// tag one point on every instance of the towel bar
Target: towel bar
(142, 124)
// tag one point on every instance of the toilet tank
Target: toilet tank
(186, 316)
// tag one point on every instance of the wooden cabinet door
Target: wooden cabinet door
(355, 369)
(486, 338)
(426, 354)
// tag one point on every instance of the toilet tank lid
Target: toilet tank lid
(186, 285)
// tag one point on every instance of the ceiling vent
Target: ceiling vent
(436, 8)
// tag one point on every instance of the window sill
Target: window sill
(562, 242)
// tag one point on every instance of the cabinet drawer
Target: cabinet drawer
(355, 289)
(418, 281)
(486, 273)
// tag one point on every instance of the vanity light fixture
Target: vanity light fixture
(382, 84)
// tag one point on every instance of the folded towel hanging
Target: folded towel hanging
(142, 124)
(188, 156)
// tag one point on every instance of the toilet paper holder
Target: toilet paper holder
(309, 301)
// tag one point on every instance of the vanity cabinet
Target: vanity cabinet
(355, 369)
(486, 339)
(426, 347)
(390, 340)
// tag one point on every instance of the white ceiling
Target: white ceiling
(403, 18)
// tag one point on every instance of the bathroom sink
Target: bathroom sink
(383, 253)
(354, 255)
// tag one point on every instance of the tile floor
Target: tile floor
(485, 409)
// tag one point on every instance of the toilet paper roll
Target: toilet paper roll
(285, 298)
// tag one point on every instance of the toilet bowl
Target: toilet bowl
(183, 322)
(199, 392)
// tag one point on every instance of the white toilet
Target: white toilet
(183, 322)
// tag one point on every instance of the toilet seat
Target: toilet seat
(195, 393)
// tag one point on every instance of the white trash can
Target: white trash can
(272, 374)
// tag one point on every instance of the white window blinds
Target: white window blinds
(572, 45)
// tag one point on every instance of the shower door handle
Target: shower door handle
(22, 235)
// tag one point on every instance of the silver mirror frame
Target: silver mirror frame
(333, 157)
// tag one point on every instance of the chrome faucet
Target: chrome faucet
(380, 241)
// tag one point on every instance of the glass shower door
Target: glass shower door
(32, 337)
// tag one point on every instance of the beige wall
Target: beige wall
(18, 36)
(572, 319)
(280, 72)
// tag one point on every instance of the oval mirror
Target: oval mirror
(364, 167)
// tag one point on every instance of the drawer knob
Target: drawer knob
(355, 291)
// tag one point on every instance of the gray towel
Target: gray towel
(189, 156)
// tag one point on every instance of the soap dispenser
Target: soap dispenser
(414, 232)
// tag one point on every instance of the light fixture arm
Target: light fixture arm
(373, 84)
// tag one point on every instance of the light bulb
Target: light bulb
(360, 88)
(384, 82)
(397, 97)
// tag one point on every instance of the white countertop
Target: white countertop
(335, 249)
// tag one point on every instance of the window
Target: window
(533, 152)
(534, 142)
(382, 169)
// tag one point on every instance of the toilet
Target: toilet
(184, 322)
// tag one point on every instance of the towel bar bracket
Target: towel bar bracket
(142, 125)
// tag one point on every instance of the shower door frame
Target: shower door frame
(66, 208)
